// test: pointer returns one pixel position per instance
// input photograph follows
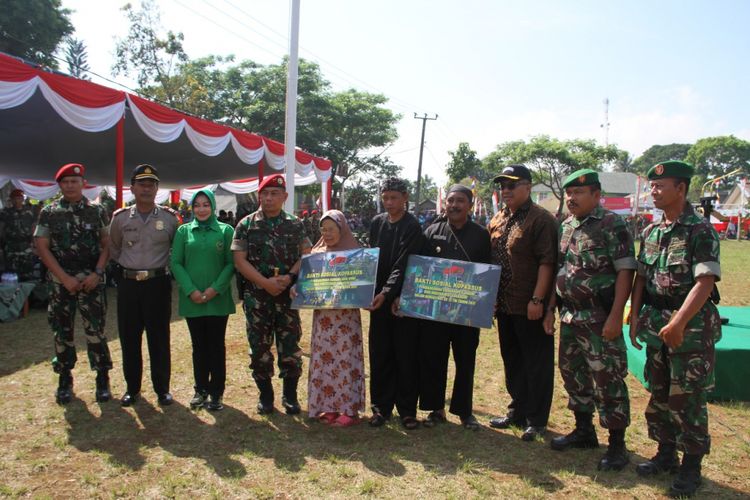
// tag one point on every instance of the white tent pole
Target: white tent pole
(290, 135)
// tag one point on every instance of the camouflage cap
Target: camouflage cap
(671, 168)
(581, 177)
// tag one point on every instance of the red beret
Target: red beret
(70, 170)
(16, 192)
(305, 213)
(275, 180)
(315, 212)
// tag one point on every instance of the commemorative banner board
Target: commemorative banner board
(450, 291)
(337, 280)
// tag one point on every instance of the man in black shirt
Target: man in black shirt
(457, 237)
(393, 341)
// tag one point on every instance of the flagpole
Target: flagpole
(290, 133)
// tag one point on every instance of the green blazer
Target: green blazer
(202, 258)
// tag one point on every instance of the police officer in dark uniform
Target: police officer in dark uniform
(141, 238)
(267, 248)
(72, 241)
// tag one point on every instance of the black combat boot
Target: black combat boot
(103, 394)
(583, 436)
(289, 399)
(65, 388)
(265, 400)
(689, 478)
(665, 460)
(616, 456)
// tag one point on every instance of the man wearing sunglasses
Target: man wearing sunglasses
(524, 243)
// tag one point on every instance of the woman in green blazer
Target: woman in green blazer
(203, 267)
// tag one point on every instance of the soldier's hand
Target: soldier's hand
(285, 279)
(549, 323)
(612, 328)
(633, 335)
(90, 282)
(274, 286)
(377, 302)
(293, 292)
(672, 334)
(71, 284)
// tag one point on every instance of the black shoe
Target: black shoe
(103, 394)
(688, 480)
(199, 399)
(289, 397)
(506, 422)
(532, 432)
(434, 418)
(129, 399)
(165, 399)
(214, 404)
(470, 423)
(409, 423)
(265, 403)
(579, 438)
(64, 388)
(665, 461)
(378, 419)
(615, 458)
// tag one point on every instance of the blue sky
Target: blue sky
(494, 71)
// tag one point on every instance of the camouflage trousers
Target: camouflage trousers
(679, 384)
(61, 314)
(593, 371)
(21, 263)
(267, 321)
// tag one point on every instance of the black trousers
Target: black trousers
(529, 357)
(436, 341)
(145, 305)
(209, 353)
(394, 362)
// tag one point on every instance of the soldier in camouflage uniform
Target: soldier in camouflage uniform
(17, 236)
(597, 260)
(72, 239)
(314, 226)
(267, 248)
(678, 266)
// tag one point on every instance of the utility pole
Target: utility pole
(605, 125)
(424, 119)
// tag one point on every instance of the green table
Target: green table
(732, 357)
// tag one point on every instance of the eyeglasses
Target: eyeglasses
(510, 186)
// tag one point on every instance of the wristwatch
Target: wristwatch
(536, 300)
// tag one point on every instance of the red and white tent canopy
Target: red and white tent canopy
(47, 120)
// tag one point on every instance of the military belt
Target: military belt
(144, 274)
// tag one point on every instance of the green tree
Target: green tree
(33, 29)
(657, 153)
(464, 163)
(151, 56)
(551, 160)
(76, 56)
(717, 156)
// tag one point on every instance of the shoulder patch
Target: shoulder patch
(170, 210)
(120, 210)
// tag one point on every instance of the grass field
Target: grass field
(87, 450)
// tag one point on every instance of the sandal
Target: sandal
(409, 423)
(327, 417)
(434, 418)
(344, 420)
(377, 420)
